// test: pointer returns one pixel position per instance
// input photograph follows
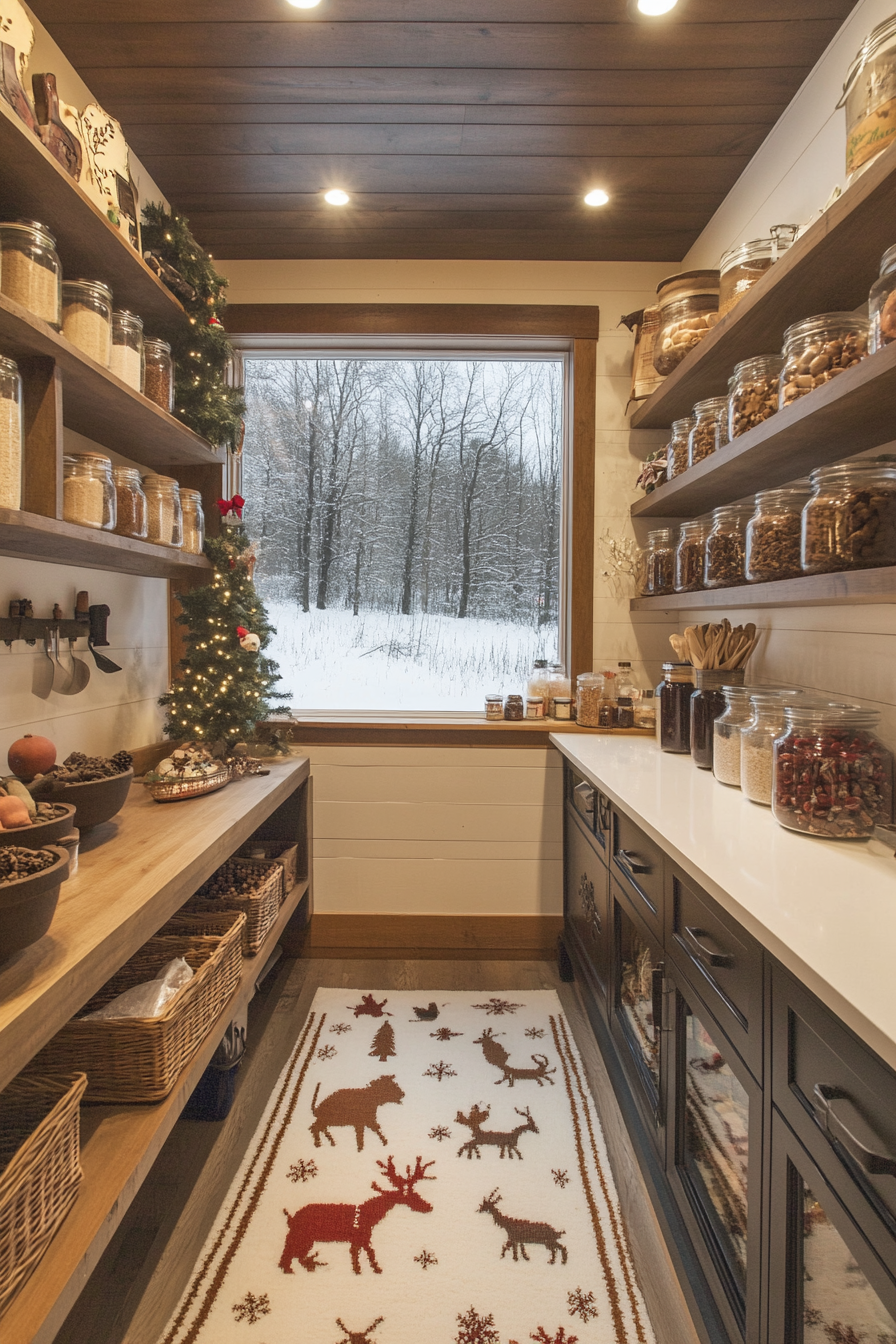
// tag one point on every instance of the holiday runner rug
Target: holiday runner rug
(427, 1171)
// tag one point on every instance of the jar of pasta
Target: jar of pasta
(773, 534)
(882, 302)
(30, 270)
(158, 374)
(819, 349)
(87, 318)
(707, 434)
(194, 521)
(163, 510)
(689, 556)
(127, 349)
(724, 566)
(850, 521)
(754, 393)
(677, 448)
(660, 562)
(10, 435)
(88, 491)
(130, 502)
(689, 309)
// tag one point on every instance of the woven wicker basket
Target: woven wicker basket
(139, 1059)
(174, 790)
(260, 907)
(40, 1170)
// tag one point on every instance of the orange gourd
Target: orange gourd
(13, 812)
(31, 755)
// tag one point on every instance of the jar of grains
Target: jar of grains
(882, 302)
(130, 502)
(869, 96)
(689, 309)
(589, 687)
(833, 777)
(10, 435)
(850, 521)
(194, 521)
(818, 349)
(757, 742)
(754, 393)
(660, 578)
(677, 447)
(674, 710)
(494, 707)
(513, 708)
(689, 556)
(87, 318)
(727, 731)
(164, 517)
(744, 265)
(726, 546)
(707, 704)
(710, 429)
(127, 348)
(88, 491)
(158, 374)
(30, 270)
(773, 534)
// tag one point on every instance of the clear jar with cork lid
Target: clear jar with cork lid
(87, 318)
(130, 503)
(194, 521)
(127, 348)
(158, 374)
(30, 270)
(10, 435)
(163, 510)
(88, 491)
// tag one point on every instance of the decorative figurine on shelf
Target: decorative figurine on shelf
(58, 125)
(231, 511)
(251, 643)
(17, 35)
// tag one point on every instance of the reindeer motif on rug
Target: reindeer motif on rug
(359, 1336)
(506, 1140)
(355, 1107)
(353, 1223)
(521, 1233)
(496, 1054)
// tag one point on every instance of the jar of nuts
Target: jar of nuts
(706, 436)
(882, 303)
(677, 447)
(850, 521)
(726, 547)
(689, 309)
(689, 556)
(819, 349)
(773, 534)
(660, 563)
(833, 776)
(744, 265)
(754, 392)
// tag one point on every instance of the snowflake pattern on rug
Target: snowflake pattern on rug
(252, 1308)
(425, 1259)
(439, 1132)
(444, 1034)
(326, 1052)
(498, 1007)
(302, 1171)
(340, 1028)
(535, 1033)
(476, 1329)
(561, 1178)
(440, 1071)
(582, 1304)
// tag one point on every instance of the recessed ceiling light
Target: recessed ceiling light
(337, 197)
(597, 197)
(312, 4)
(651, 7)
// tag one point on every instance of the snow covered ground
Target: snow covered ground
(378, 660)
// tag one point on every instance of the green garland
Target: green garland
(202, 351)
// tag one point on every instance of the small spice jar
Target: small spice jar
(773, 535)
(710, 430)
(755, 390)
(689, 309)
(589, 686)
(833, 777)
(744, 266)
(163, 510)
(562, 708)
(30, 270)
(850, 521)
(127, 348)
(757, 742)
(87, 318)
(624, 713)
(727, 731)
(194, 521)
(726, 547)
(130, 502)
(513, 708)
(882, 302)
(689, 556)
(534, 707)
(819, 349)
(158, 374)
(707, 704)
(677, 447)
(660, 576)
(88, 491)
(494, 707)
(10, 435)
(674, 718)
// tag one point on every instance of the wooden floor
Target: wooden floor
(131, 1294)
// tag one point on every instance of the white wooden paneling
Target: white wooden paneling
(484, 786)
(438, 886)
(432, 821)
(500, 850)
(470, 758)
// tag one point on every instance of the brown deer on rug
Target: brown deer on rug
(359, 1336)
(506, 1140)
(355, 1107)
(521, 1233)
(496, 1054)
(353, 1223)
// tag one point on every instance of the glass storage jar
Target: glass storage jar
(494, 707)
(754, 393)
(606, 710)
(87, 318)
(130, 502)
(194, 521)
(819, 349)
(707, 703)
(707, 434)
(10, 435)
(727, 731)
(742, 266)
(757, 742)
(773, 534)
(164, 515)
(724, 566)
(833, 777)
(689, 309)
(534, 707)
(689, 556)
(589, 686)
(513, 708)
(674, 711)
(882, 302)
(677, 447)
(869, 95)
(660, 562)
(562, 708)
(158, 374)
(558, 687)
(88, 491)
(30, 270)
(645, 711)
(127, 348)
(539, 678)
(850, 521)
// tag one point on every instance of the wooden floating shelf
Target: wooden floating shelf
(861, 587)
(849, 415)
(34, 185)
(830, 268)
(363, 730)
(29, 536)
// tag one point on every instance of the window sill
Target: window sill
(456, 730)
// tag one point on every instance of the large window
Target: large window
(409, 516)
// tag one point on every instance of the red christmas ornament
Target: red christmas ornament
(241, 632)
(215, 322)
(234, 505)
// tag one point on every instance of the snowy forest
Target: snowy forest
(426, 493)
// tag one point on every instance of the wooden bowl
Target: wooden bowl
(27, 906)
(40, 833)
(95, 801)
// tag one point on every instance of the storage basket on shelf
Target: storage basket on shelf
(284, 852)
(40, 1170)
(139, 1059)
(256, 888)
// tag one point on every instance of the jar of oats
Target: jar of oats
(164, 514)
(10, 435)
(194, 521)
(30, 270)
(88, 491)
(130, 502)
(127, 348)
(87, 318)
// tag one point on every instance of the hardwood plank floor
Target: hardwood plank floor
(131, 1294)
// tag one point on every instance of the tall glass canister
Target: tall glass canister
(10, 435)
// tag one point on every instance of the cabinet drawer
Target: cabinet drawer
(585, 899)
(638, 864)
(582, 794)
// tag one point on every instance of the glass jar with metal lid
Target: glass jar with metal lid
(869, 95)
(850, 521)
(127, 348)
(882, 302)
(757, 741)
(88, 491)
(690, 555)
(707, 703)
(130, 502)
(660, 577)
(755, 390)
(744, 265)
(677, 448)
(589, 688)
(158, 374)
(833, 777)
(163, 510)
(774, 532)
(726, 546)
(673, 724)
(87, 318)
(10, 435)
(707, 434)
(819, 349)
(194, 521)
(689, 309)
(727, 731)
(30, 270)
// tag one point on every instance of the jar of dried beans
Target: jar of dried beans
(689, 309)
(869, 95)
(130, 502)
(757, 742)
(743, 266)
(10, 435)
(30, 270)
(674, 693)
(660, 577)
(158, 374)
(819, 349)
(754, 393)
(707, 434)
(707, 703)
(882, 302)
(727, 731)
(88, 491)
(127, 348)
(194, 521)
(589, 686)
(689, 556)
(833, 777)
(87, 318)
(163, 510)
(773, 534)
(677, 448)
(850, 521)
(726, 547)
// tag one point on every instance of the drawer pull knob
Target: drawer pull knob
(632, 862)
(838, 1117)
(585, 795)
(603, 811)
(701, 946)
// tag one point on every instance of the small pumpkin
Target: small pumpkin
(13, 813)
(31, 755)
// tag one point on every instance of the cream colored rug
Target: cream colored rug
(430, 1170)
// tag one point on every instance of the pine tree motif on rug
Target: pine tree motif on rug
(582, 1304)
(520, 1232)
(444, 1034)
(425, 1259)
(358, 1336)
(252, 1308)
(354, 1107)
(440, 1071)
(496, 1054)
(476, 1329)
(302, 1171)
(498, 1007)
(384, 1043)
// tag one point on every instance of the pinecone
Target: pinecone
(122, 760)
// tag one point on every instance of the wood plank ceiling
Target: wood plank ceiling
(460, 128)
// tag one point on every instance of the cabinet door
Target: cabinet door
(585, 904)
(637, 985)
(637, 863)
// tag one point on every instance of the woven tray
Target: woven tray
(260, 907)
(139, 1059)
(174, 790)
(40, 1170)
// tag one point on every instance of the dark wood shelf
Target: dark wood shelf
(831, 268)
(853, 413)
(32, 537)
(35, 186)
(860, 587)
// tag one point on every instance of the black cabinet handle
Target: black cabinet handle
(585, 796)
(838, 1117)
(702, 948)
(632, 862)
(656, 995)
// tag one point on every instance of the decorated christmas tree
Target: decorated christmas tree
(224, 685)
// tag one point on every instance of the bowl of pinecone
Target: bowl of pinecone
(96, 785)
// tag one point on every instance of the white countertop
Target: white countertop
(825, 908)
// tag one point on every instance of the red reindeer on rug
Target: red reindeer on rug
(353, 1223)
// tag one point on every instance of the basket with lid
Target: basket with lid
(689, 309)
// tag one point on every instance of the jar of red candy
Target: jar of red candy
(833, 776)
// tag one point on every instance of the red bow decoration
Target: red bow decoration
(241, 632)
(234, 505)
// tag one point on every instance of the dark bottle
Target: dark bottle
(675, 691)
(707, 703)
